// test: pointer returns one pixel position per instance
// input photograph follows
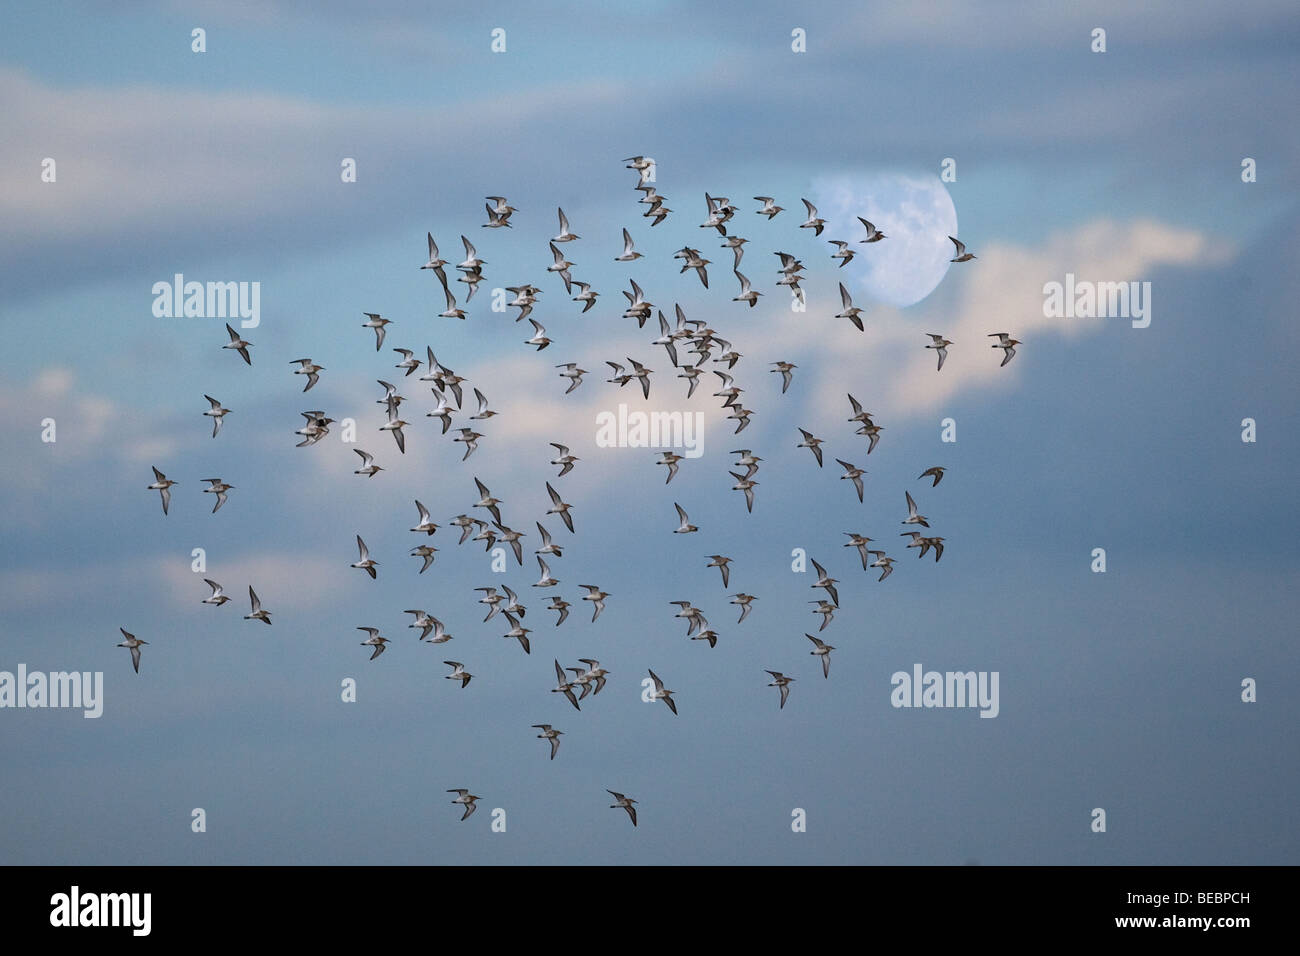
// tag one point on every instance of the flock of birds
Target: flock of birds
(685, 337)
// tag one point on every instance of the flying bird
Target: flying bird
(812, 442)
(872, 431)
(547, 580)
(548, 545)
(539, 336)
(812, 222)
(629, 252)
(238, 344)
(559, 604)
(737, 246)
(961, 255)
(597, 598)
(564, 459)
(559, 507)
(860, 542)
(584, 295)
(425, 551)
(912, 516)
(436, 262)
(723, 564)
(851, 312)
(491, 599)
(783, 682)
(686, 527)
(565, 686)
(873, 234)
(709, 635)
(511, 537)
(662, 693)
(624, 802)
(1006, 343)
(470, 439)
(134, 645)
(257, 613)
(823, 651)
(517, 631)
(936, 473)
(854, 473)
(408, 362)
(573, 373)
(466, 799)
(547, 731)
(216, 413)
(440, 635)
(669, 458)
(472, 262)
(747, 460)
(378, 323)
(691, 373)
(364, 562)
(858, 414)
(483, 411)
(163, 485)
(641, 165)
(452, 311)
(827, 583)
(785, 368)
(395, 426)
(219, 488)
(566, 234)
(940, 345)
(747, 294)
(374, 640)
(443, 410)
(746, 485)
(746, 602)
(426, 524)
(422, 621)
(643, 373)
(667, 337)
(368, 466)
(827, 610)
(561, 266)
(458, 673)
(309, 368)
(884, 562)
(595, 675)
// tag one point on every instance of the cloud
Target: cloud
(1002, 292)
(83, 420)
(181, 170)
(289, 581)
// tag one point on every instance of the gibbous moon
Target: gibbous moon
(913, 210)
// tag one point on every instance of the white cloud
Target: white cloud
(1001, 291)
(136, 159)
(289, 581)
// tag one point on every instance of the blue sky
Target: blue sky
(1118, 690)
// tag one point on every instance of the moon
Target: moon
(913, 210)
